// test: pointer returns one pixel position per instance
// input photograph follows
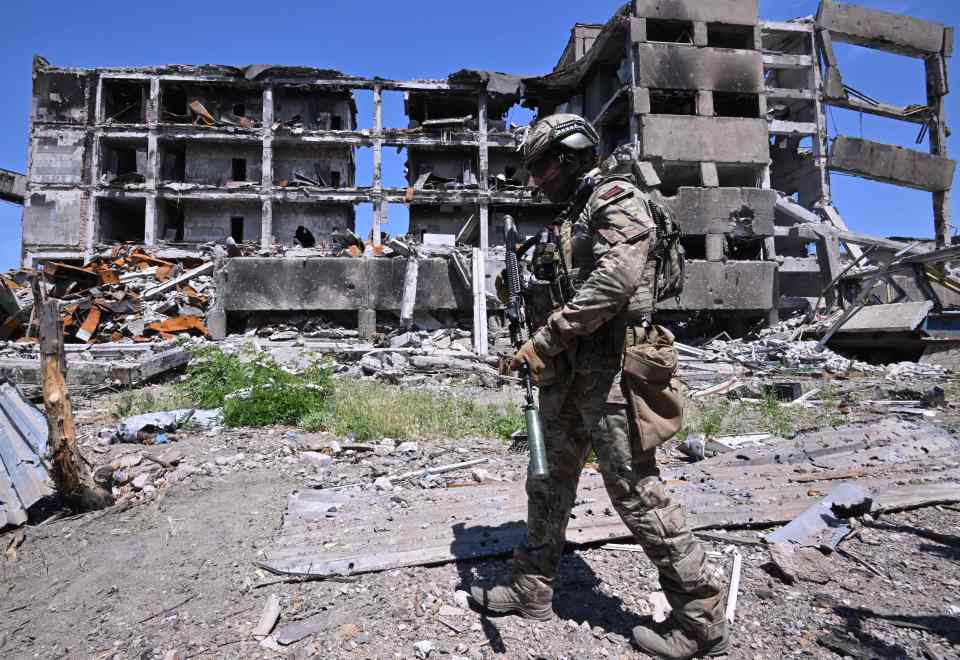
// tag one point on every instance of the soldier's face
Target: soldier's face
(550, 177)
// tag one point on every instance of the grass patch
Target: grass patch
(141, 402)
(709, 417)
(255, 391)
(260, 391)
(776, 418)
(371, 411)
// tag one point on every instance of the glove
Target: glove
(528, 354)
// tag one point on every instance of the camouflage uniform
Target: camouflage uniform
(583, 406)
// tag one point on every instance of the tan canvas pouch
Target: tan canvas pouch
(652, 390)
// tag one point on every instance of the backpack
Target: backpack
(668, 252)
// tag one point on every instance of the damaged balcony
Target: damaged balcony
(182, 220)
(59, 97)
(123, 162)
(121, 219)
(234, 106)
(220, 164)
(124, 101)
(303, 109)
(310, 224)
(442, 169)
(299, 164)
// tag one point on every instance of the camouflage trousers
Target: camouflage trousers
(589, 411)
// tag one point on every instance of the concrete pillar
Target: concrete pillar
(636, 102)
(936, 68)
(641, 102)
(480, 340)
(709, 177)
(266, 224)
(484, 159)
(770, 248)
(153, 161)
(217, 316)
(409, 302)
(151, 226)
(266, 179)
(268, 108)
(716, 247)
(700, 37)
(367, 323)
(705, 103)
(380, 211)
(484, 227)
(153, 105)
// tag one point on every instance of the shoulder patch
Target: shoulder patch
(613, 192)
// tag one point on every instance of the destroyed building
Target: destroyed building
(729, 110)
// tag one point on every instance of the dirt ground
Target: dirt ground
(173, 575)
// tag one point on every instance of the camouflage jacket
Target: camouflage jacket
(608, 244)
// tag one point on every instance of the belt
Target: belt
(636, 335)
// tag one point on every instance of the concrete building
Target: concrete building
(729, 110)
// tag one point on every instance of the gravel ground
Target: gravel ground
(169, 573)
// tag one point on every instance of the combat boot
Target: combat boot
(679, 644)
(530, 597)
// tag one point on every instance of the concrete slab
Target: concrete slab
(726, 286)
(881, 30)
(336, 284)
(891, 164)
(898, 317)
(667, 66)
(699, 139)
(740, 212)
(736, 12)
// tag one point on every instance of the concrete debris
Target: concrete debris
(268, 618)
(823, 525)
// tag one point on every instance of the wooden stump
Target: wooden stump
(70, 472)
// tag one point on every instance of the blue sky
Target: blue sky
(431, 38)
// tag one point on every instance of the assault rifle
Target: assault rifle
(520, 330)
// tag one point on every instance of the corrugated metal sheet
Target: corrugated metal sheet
(24, 479)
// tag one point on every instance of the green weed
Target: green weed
(260, 391)
(371, 411)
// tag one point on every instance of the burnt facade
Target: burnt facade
(731, 113)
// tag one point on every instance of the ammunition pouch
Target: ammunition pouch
(650, 385)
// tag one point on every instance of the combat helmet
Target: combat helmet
(563, 130)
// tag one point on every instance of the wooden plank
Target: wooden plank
(177, 281)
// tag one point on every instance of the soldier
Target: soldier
(578, 357)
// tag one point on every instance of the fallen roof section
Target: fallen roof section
(757, 487)
(24, 479)
(13, 186)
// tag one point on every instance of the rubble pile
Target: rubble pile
(779, 350)
(127, 295)
(409, 356)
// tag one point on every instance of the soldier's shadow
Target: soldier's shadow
(577, 590)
